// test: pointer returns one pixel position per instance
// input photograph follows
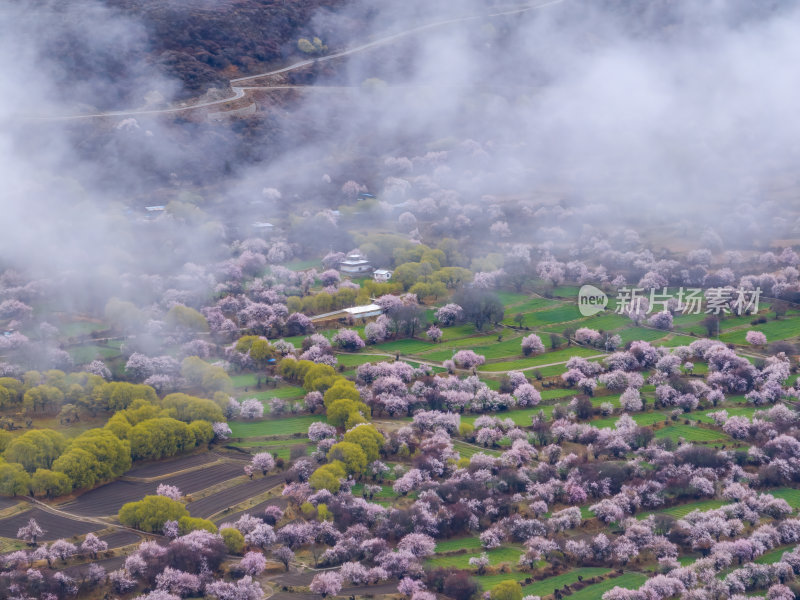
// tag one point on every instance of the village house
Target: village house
(355, 263)
(382, 275)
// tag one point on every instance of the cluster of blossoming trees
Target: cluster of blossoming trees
(528, 495)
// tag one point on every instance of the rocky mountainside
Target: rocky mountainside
(205, 42)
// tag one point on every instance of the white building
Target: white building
(354, 312)
(364, 312)
(382, 275)
(355, 263)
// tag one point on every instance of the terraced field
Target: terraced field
(774, 330)
(642, 419)
(606, 321)
(691, 434)
(109, 498)
(682, 510)
(353, 360)
(507, 554)
(773, 556)
(520, 416)
(171, 465)
(641, 333)
(629, 581)
(54, 526)
(735, 411)
(560, 314)
(385, 493)
(551, 584)
(458, 331)
(487, 582)
(791, 496)
(279, 448)
(283, 426)
(455, 544)
(676, 340)
(467, 450)
(557, 356)
(224, 500)
(405, 346)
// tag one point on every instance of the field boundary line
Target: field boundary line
(251, 502)
(555, 364)
(217, 488)
(172, 474)
(18, 508)
(83, 519)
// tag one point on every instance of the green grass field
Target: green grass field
(487, 346)
(791, 496)
(677, 340)
(570, 292)
(79, 328)
(487, 582)
(786, 328)
(386, 491)
(736, 400)
(86, 354)
(458, 331)
(286, 426)
(267, 394)
(467, 450)
(733, 411)
(280, 448)
(598, 400)
(606, 321)
(509, 554)
(631, 581)
(11, 545)
(642, 419)
(682, 510)
(773, 556)
(512, 298)
(455, 544)
(353, 360)
(492, 384)
(551, 584)
(472, 341)
(528, 310)
(303, 265)
(244, 380)
(691, 434)
(553, 393)
(520, 416)
(550, 316)
(551, 371)
(557, 356)
(291, 391)
(641, 333)
(405, 346)
(680, 320)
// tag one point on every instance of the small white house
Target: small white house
(382, 275)
(355, 263)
